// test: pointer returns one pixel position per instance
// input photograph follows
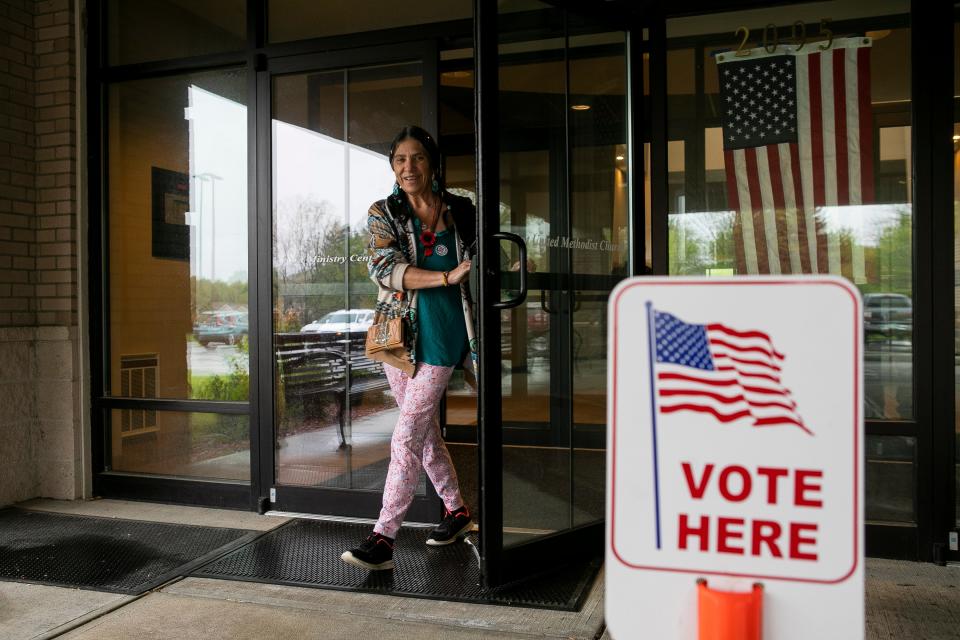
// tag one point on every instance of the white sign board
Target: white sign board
(734, 448)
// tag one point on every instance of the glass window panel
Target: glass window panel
(334, 410)
(589, 355)
(533, 192)
(174, 443)
(599, 212)
(382, 100)
(301, 19)
(177, 226)
(161, 29)
(890, 479)
(456, 102)
(728, 218)
(564, 189)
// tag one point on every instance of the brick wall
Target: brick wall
(39, 369)
(55, 158)
(37, 164)
(18, 195)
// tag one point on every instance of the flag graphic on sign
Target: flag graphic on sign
(730, 374)
(797, 136)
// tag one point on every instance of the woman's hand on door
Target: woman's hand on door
(459, 273)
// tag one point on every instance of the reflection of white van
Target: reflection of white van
(342, 321)
(890, 314)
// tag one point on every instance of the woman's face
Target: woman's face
(411, 165)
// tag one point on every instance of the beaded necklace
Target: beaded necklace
(428, 238)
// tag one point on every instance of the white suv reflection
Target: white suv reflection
(342, 321)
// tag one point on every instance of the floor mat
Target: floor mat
(307, 553)
(105, 554)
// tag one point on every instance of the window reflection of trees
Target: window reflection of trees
(880, 237)
(310, 258)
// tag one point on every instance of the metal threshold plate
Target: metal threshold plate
(306, 553)
(105, 554)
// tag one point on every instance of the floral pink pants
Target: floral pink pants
(416, 440)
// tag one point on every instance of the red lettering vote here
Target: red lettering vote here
(752, 536)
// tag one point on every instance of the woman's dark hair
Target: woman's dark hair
(429, 145)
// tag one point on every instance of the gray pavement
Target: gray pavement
(904, 600)
(33, 611)
(912, 600)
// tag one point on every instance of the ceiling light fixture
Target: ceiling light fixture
(956, 137)
(619, 157)
(580, 107)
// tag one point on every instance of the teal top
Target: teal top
(442, 335)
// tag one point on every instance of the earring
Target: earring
(396, 189)
(435, 186)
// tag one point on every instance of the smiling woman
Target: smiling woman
(421, 241)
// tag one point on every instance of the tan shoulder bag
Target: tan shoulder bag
(386, 334)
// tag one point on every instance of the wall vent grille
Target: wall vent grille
(138, 379)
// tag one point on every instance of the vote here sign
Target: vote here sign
(734, 451)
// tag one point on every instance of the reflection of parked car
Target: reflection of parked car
(342, 321)
(888, 315)
(225, 327)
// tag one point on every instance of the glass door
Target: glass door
(331, 125)
(563, 189)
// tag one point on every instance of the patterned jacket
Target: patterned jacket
(393, 248)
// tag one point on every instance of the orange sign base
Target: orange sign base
(725, 615)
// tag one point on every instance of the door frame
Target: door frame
(497, 564)
(352, 503)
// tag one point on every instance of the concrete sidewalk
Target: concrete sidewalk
(904, 600)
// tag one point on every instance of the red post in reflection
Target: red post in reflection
(725, 615)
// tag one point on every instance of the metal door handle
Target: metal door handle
(543, 302)
(522, 294)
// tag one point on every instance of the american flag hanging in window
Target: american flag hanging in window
(797, 136)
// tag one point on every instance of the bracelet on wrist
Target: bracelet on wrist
(445, 283)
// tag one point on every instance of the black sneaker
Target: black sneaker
(454, 526)
(375, 553)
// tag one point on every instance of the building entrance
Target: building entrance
(231, 156)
